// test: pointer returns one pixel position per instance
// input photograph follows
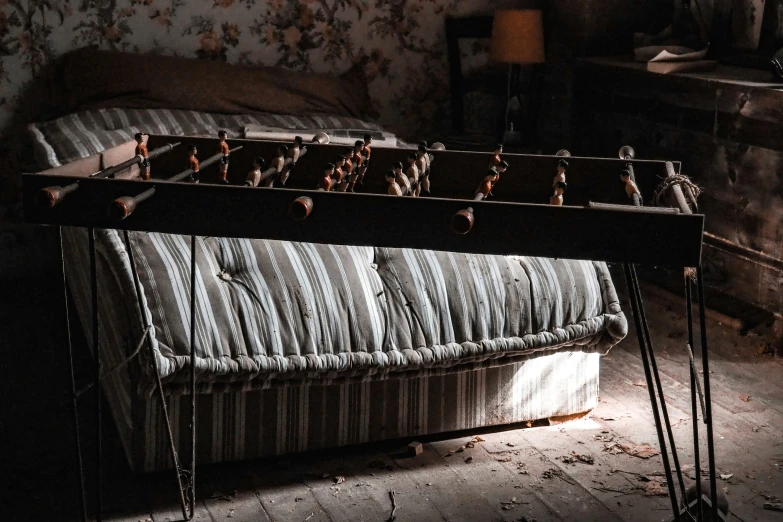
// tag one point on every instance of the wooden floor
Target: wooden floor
(571, 471)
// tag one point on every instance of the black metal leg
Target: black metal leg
(694, 403)
(707, 398)
(159, 385)
(98, 387)
(637, 314)
(74, 402)
(193, 375)
(657, 379)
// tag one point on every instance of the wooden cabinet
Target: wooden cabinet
(726, 127)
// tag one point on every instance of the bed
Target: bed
(306, 346)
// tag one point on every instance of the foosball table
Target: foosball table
(621, 210)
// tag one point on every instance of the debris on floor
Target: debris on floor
(415, 449)
(744, 398)
(726, 476)
(773, 506)
(338, 480)
(392, 496)
(642, 451)
(575, 457)
(655, 489)
(506, 506)
(230, 513)
(503, 459)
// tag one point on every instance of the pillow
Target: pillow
(93, 79)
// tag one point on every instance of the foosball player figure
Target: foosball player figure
(326, 180)
(367, 151)
(562, 167)
(630, 186)
(254, 176)
(222, 135)
(141, 150)
(296, 148)
(487, 184)
(423, 164)
(402, 179)
(193, 162)
(347, 170)
(557, 199)
(496, 159)
(338, 171)
(413, 176)
(394, 188)
(293, 153)
(358, 164)
(278, 163)
(501, 168)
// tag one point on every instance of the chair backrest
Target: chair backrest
(456, 29)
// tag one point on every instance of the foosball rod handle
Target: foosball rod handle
(462, 222)
(300, 208)
(54, 195)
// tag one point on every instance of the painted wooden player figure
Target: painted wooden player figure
(254, 176)
(338, 171)
(496, 159)
(222, 135)
(560, 177)
(193, 163)
(367, 151)
(402, 179)
(357, 159)
(141, 150)
(294, 152)
(394, 188)
(413, 175)
(278, 163)
(557, 199)
(630, 186)
(326, 180)
(423, 164)
(347, 170)
(487, 184)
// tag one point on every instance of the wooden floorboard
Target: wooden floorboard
(450, 494)
(486, 475)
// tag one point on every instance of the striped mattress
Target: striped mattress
(78, 135)
(303, 346)
(269, 312)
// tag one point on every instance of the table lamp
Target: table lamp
(517, 38)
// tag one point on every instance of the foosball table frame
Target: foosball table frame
(598, 221)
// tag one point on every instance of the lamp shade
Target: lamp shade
(517, 36)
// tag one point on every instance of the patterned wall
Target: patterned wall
(401, 43)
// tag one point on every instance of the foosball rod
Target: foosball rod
(54, 195)
(124, 206)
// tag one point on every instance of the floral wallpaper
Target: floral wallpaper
(400, 43)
